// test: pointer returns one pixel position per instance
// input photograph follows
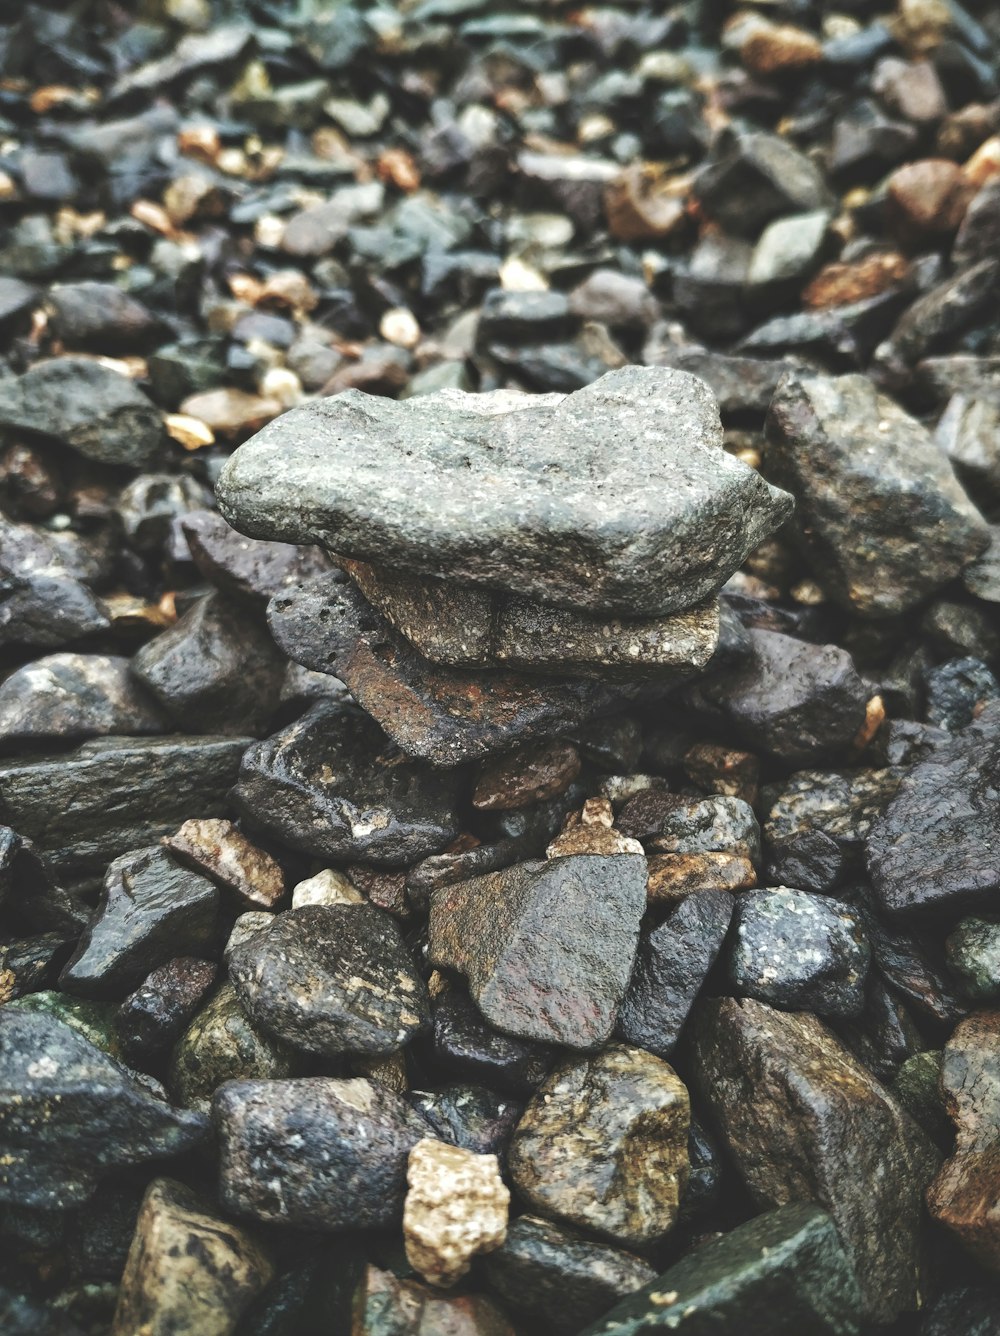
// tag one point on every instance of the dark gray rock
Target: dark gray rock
(750, 179)
(148, 506)
(967, 432)
(957, 691)
(244, 566)
(465, 1045)
(75, 696)
(470, 1116)
(497, 518)
(331, 784)
(29, 896)
(17, 300)
(973, 950)
(942, 313)
(152, 1018)
(547, 947)
(101, 318)
(742, 385)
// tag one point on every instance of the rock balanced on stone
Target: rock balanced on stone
(517, 562)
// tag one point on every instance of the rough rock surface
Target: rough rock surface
(456, 1207)
(222, 853)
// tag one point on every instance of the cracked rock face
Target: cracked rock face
(456, 1207)
(527, 494)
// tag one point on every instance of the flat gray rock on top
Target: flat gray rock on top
(618, 498)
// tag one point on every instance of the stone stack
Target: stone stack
(517, 563)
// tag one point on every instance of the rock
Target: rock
(472, 1117)
(910, 962)
(867, 517)
(107, 797)
(788, 249)
(942, 313)
(219, 851)
(317, 1153)
(752, 178)
(75, 696)
(603, 1146)
(775, 1275)
(315, 231)
(966, 433)
(671, 966)
(242, 566)
(189, 1271)
(148, 506)
(17, 299)
(917, 1087)
(151, 910)
(926, 199)
(963, 1197)
(156, 1014)
(381, 1298)
(590, 831)
(456, 1207)
(221, 1045)
(957, 691)
(332, 979)
(101, 318)
(465, 1045)
(617, 300)
(668, 823)
(95, 411)
(529, 775)
(331, 785)
(47, 610)
(640, 207)
(69, 1114)
(933, 845)
(551, 1274)
(782, 1081)
(370, 483)
(547, 947)
(328, 887)
(911, 89)
(804, 952)
(230, 413)
(674, 877)
(973, 950)
(982, 577)
(776, 48)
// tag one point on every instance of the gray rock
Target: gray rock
(101, 318)
(670, 824)
(547, 947)
(242, 566)
(973, 951)
(150, 1020)
(467, 1046)
(752, 178)
(148, 506)
(789, 249)
(658, 523)
(469, 1116)
(75, 696)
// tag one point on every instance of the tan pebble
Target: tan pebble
(399, 326)
(456, 1207)
(329, 887)
(190, 432)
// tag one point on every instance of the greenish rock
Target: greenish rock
(781, 1274)
(973, 951)
(917, 1086)
(93, 1020)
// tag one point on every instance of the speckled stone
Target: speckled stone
(385, 1305)
(973, 951)
(671, 824)
(456, 1207)
(76, 696)
(222, 853)
(603, 1146)
(635, 491)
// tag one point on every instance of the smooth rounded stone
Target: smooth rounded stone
(189, 1272)
(934, 845)
(384, 1303)
(150, 910)
(468, 627)
(791, 699)
(603, 1146)
(315, 1153)
(69, 1115)
(802, 1119)
(800, 951)
(48, 611)
(215, 848)
(332, 979)
(620, 301)
(750, 179)
(548, 1273)
(76, 696)
(244, 566)
(471, 1116)
(97, 412)
(441, 715)
(973, 952)
(956, 692)
(456, 1208)
(332, 785)
(216, 667)
(547, 947)
(788, 249)
(779, 1274)
(671, 824)
(880, 514)
(111, 795)
(671, 524)
(671, 966)
(149, 504)
(156, 1014)
(219, 1045)
(529, 775)
(465, 1045)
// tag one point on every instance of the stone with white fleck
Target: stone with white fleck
(456, 1208)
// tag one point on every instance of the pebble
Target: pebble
(456, 1208)
(220, 1045)
(526, 776)
(409, 1306)
(973, 951)
(69, 696)
(329, 887)
(216, 849)
(466, 1045)
(152, 1018)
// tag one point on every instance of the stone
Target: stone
(215, 848)
(69, 1115)
(316, 1153)
(603, 1146)
(151, 910)
(232, 414)
(591, 831)
(926, 199)
(332, 785)
(316, 230)
(963, 1197)
(529, 775)
(933, 844)
(189, 1271)
(884, 521)
(456, 1208)
(47, 610)
(803, 1120)
(101, 318)
(776, 48)
(329, 887)
(674, 877)
(152, 1018)
(17, 300)
(220, 1045)
(982, 576)
(842, 284)
(973, 952)
(641, 207)
(547, 947)
(917, 1087)
(467, 1046)
(939, 316)
(799, 951)
(75, 696)
(753, 178)
(89, 806)
(957, 691)
(788, 249)
(502, 531)
(669, 823)
(910, 962)
(546, 1272)
(242, 566)
(97, 412)
(470, 1116)
(782, 1272)
(671, 966)
(729, 771)
(470, 627)
(966, 432)
(381, 1298)
(617, 300)
(332, 979)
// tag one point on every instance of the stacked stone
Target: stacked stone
(517, 563)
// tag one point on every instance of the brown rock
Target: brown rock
(591, 831)
(456, 1207)
(719, 769)
(841, 284)
(529, 775)
(912, 89)
(232, 414)
(926, 199)
(384, 1304)
(778, 48)
(641, 206)
(674, 876)
(225, 855)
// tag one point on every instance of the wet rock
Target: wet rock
(942, 313)
(152, 1018)
(547, 947)
(28, 963)
(101, 318)
(957, 691)
(456, 1207)
(973, 950)
(673, 877)
(552, 1274)
(591, 831)
(753, 178)
(219, 851)
(331, 979)
(467, 1046)
(917, 1087)
(470, 1116)
(69, 1114)
(47, 610)
(603, 1146)
(529, 775)
(188, 1270)
(866, 518)
(316, 1153)
(244, 566)
(668, 823)
(846, 1144)
(147, 507)
(151, 910)
(411, 1307)
(468, 534)
(332, 785)
(75, 696)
